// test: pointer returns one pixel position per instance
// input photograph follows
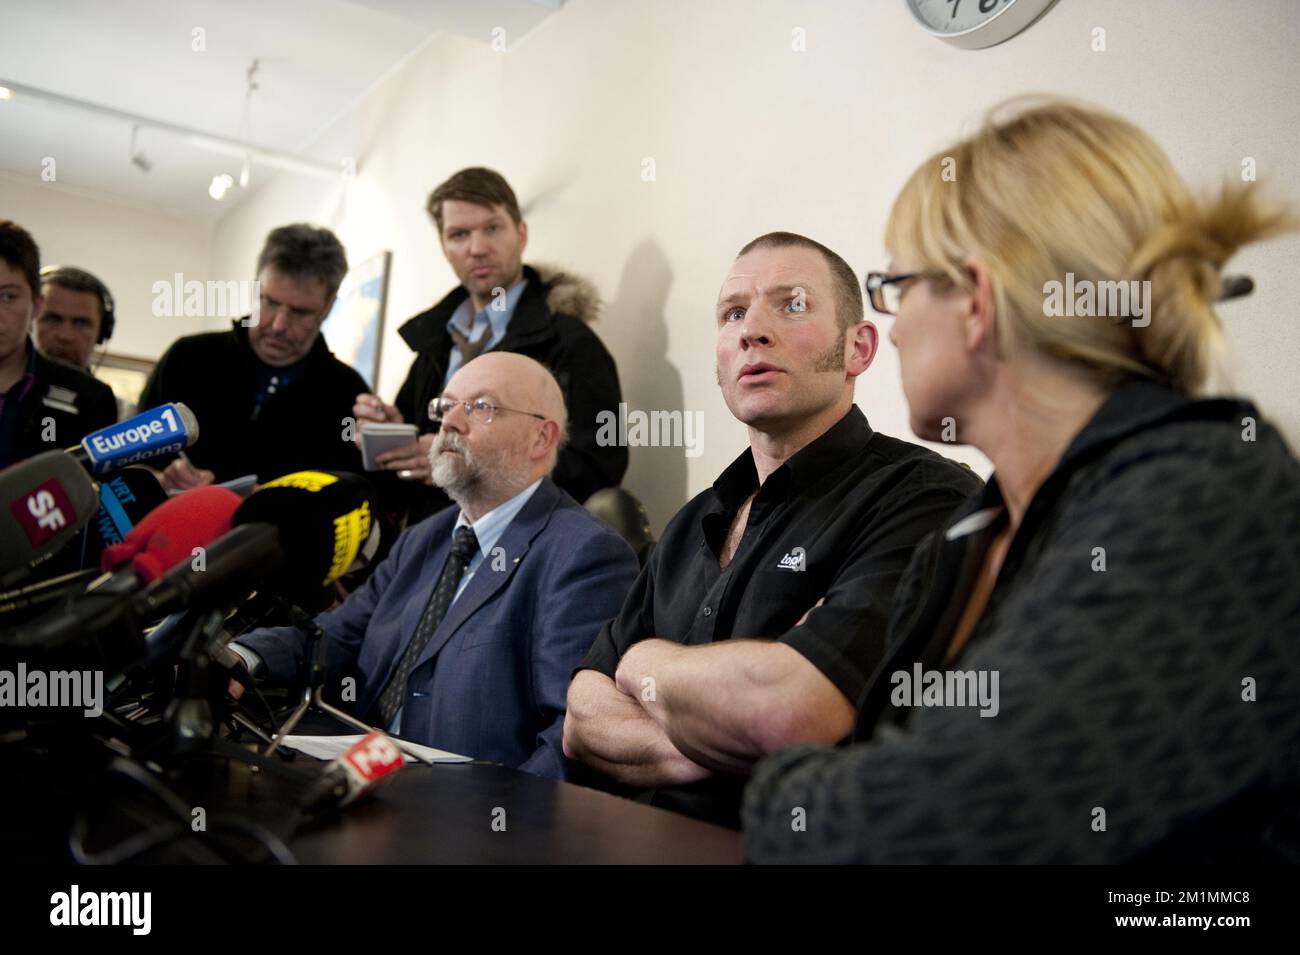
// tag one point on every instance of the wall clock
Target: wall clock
(975, 24)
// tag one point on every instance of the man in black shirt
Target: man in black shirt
(269, 395)
(762, 612)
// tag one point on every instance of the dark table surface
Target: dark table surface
(446, 814)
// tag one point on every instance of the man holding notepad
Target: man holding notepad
(500, 305)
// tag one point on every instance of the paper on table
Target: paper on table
(332, 747)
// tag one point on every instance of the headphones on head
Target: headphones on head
(67, 276)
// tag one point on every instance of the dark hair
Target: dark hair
(848, 294)
(79, 280)
(305, 253)
(18, 249)
(483, 187)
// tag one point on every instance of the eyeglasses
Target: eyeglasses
(885, 291)
(478, 409)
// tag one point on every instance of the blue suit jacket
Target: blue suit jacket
(492, 681)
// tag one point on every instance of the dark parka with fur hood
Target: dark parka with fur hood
(549, 324)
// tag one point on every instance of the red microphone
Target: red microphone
(367, 763)
(169, 533)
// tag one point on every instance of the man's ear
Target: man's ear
(864, 341)
(547, 438)
(325, 313)
(523, 236)
(981, 309)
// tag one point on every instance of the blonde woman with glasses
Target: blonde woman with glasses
(1098, 659)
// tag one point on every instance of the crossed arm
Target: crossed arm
(674, 713)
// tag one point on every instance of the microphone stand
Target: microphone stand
(313, 692)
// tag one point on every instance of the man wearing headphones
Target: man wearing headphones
(44, 403)
(77, 315)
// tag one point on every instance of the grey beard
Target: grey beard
(473, 479)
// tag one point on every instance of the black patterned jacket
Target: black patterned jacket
(1145, 635)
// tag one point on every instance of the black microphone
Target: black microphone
(114, 609)
(293, 536)
(27, 601)
(44, 502)
(125, 497)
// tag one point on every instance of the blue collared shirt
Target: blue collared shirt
(488, 529)
(471, 324)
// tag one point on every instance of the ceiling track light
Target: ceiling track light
(210, 142)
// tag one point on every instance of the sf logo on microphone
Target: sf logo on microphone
(46, 510)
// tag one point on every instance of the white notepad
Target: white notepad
(332, 747)
(376, 438)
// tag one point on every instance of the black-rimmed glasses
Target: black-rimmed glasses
(885, 291)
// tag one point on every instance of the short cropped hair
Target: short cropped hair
(306, 254)
(19, 250)
(483, 187)
(848, 294)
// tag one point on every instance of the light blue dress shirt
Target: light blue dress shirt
(488, 529)
(471, 324)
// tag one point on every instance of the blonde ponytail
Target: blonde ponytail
(1049, 189)
(1183, 260)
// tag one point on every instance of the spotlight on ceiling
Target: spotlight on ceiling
(220, 186)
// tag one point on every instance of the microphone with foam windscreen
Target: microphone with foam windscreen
(169, 533)
(44, 502)
(166, 429)
(294, 536)
(112, 610)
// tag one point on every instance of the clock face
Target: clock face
(973, 24)
(957, 16)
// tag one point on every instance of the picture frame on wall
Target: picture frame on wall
(127, 376)
(354, 328)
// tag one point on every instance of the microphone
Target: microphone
(294, 536)
(328, 520)
(169, 533)
(112, 609)
(47, 500)
(167, 429)
(28, 600)
(124, 499)
(368, 762)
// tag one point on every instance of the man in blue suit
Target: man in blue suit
(464, 637)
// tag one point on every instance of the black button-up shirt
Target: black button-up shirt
(838, 521)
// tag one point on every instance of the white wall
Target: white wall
(748, 136)
(127, 245)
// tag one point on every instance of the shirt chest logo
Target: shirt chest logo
(796, 559)
(61, 399)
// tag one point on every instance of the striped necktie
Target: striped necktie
(464, 546)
